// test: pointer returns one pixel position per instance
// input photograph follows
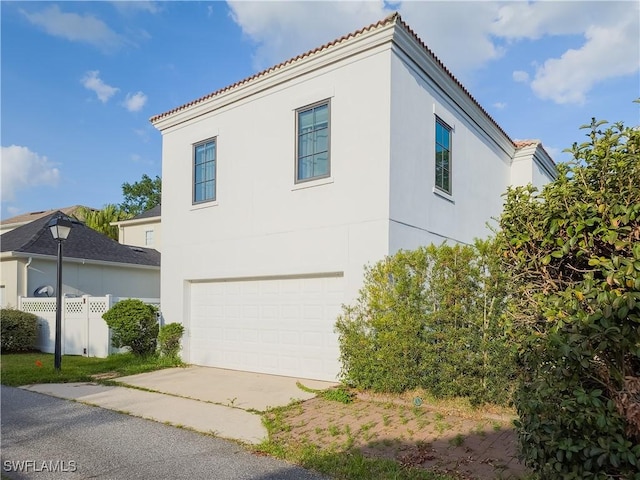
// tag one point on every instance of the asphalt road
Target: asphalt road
(42, 434)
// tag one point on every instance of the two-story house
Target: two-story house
(280, 188)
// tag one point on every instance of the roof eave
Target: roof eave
(138, 221)
(66, 259)
(356, 42)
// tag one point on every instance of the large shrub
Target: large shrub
(574, 249)
(19, 330)
(169, 339)
(134, 324)
(431, 318)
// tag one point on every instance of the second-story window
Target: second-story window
(443, 156)
(204, 171)
(312, 143)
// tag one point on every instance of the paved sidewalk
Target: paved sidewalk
(224, 403)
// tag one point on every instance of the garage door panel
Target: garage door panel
(280, 326)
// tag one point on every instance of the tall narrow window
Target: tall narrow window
(443, 156)
(148, 238)
(204, 171)
(313, 159)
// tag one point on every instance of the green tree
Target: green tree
(100, 220)
(574, 251)
(141, 196)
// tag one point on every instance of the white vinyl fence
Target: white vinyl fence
(84, 331)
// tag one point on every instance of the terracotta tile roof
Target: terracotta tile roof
(525, 143)
(393, 18)
(532, 143)
(386, 21)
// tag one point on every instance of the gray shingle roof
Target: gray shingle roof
(83, 243)
(152, 212)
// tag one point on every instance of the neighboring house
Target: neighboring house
(9, 224)
(280, 188)
(143, 230)
(93, 264)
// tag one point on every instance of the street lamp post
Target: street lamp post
(60, 228)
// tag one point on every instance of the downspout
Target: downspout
(26, 277)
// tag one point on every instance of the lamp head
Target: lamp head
(60, 228)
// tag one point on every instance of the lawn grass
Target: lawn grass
(28, 368)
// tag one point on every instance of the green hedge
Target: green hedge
(431, 318)
(134, 324)
(19, 330)
(169, 339)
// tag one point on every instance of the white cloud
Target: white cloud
(75, 27)
(500, 105)
(126, 7)
(135, 158)
(521, 76)
(609, 52)
(92, 81)
(610, 47)
(134, 102)
(282, 30)
(23, 169)
(458, 33)
(533, 20)
(143, 133)
(466, 42)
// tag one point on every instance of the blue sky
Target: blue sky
(80, 80)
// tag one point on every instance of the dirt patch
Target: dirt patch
(470, 444)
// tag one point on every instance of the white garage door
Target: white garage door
(280, 326)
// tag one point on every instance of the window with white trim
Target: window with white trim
(204, 171)
(148, 237)
(312, 142)
(443, 156)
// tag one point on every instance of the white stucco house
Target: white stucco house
(280, 188)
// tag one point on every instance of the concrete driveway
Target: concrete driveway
(226, 403)
(245, 390)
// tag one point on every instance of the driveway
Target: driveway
(225, 403)
(45, 438)
(245, 390)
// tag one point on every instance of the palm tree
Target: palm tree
(101, 220)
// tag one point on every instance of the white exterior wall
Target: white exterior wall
(11, 277)
(528, 167)
(521, 171)
(262, 223)
(480, 168)
(21, 278)
(94, 279)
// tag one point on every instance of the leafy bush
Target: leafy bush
(575, 251)
(19, 330)
(169, 339)
(431, 318)
(134, 324)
